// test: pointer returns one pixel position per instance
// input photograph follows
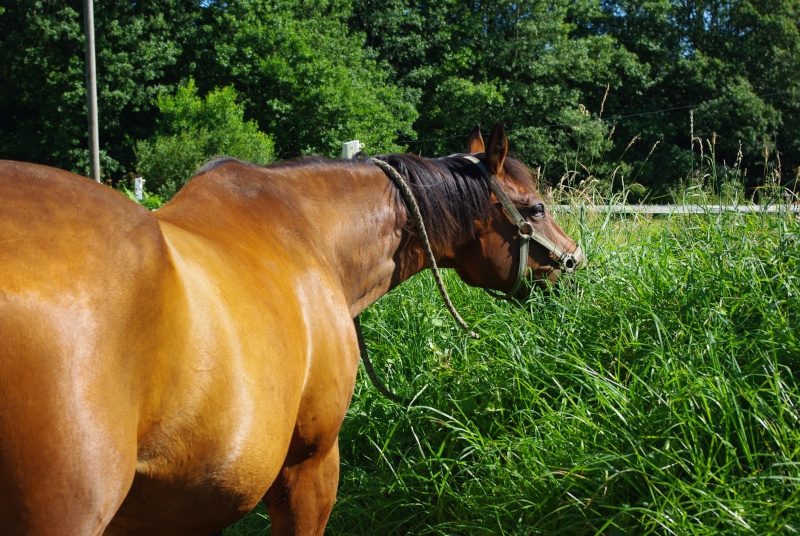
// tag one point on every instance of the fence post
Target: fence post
(350, 148)
(138, 188)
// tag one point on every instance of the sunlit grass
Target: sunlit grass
(659, 394)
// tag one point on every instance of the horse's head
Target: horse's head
(520, 239)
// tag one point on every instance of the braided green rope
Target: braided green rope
(413, 207)
(362, 347)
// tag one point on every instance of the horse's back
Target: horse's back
(57, 228)
(79, 269)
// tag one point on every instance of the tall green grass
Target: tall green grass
(658, 394)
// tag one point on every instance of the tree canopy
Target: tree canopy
(617, 91)
(192, 130)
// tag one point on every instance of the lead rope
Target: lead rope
(371, 371)
(411, 203)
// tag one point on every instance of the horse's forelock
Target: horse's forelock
(519, 173)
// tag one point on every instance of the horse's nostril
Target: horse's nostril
(575, 260)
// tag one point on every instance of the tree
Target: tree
(41, 65)
(315, 73)
(192, 130)
(530, 63)
(43, 97)
(306, 79)
(734, 65)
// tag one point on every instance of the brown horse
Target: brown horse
(160, 373)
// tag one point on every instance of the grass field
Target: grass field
(658, 395)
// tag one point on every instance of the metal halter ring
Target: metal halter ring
(526, 230)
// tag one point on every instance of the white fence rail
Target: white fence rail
(682, 209)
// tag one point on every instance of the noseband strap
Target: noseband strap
(526, 234)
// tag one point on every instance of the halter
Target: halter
(526, 231)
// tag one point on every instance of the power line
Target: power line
(687, 107)
(611, 119)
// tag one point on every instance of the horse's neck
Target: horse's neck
(345, 218)
(364, 229)
(361, 224)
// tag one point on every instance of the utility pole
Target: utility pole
(91, 89)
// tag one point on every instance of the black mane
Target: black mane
(452, 193)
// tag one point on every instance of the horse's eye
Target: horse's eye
(538, 210)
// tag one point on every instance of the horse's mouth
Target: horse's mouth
(549, 278)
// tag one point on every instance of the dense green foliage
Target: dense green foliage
(530, 63)
(42, 89)
(734, 63)
(615, 91)
(191, 131)
(307, 81)
(659, 395)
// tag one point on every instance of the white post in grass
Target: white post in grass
(138, 188)
(350, 149)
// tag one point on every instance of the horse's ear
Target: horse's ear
(475, 141)
(496, 149)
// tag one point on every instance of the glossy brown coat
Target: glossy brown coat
(161, 372)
